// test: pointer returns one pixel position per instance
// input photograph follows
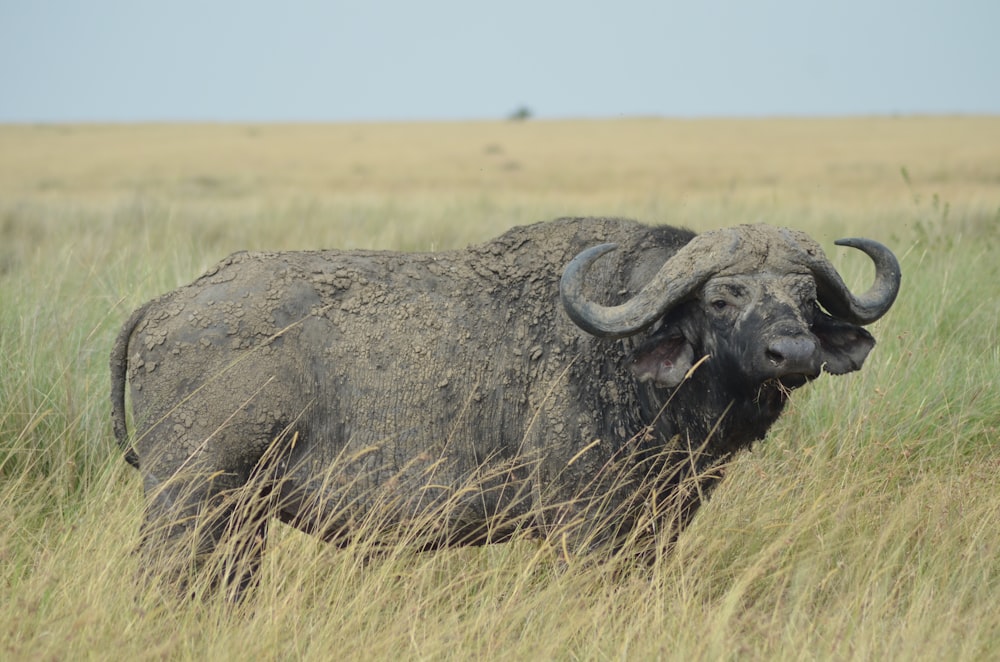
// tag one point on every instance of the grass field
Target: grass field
(867, 526)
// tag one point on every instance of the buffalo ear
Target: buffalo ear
(844, 346)
(664, 359)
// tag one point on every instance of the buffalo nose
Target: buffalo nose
(792, 354)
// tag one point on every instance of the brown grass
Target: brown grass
(843, 163)
(865, 527)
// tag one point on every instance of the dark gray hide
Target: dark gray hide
(448, 398)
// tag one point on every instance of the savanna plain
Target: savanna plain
(867, 525)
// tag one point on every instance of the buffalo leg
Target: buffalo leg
(204, 531)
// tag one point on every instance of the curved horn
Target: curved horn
(867, 307)
(674, 281)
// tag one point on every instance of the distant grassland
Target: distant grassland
(865, 527)
(850, 162)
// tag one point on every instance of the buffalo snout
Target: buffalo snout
(791, 355)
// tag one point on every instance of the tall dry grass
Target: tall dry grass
(866, 526)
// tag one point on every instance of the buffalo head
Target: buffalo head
(764, 304)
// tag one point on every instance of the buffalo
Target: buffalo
(545, 383)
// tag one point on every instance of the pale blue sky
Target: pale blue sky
(170, 60)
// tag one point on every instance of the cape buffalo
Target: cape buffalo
(543, 383)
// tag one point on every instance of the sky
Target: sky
(398, 60)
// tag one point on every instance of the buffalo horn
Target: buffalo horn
(671, 284)
(873, 304)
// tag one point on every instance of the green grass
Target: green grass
(865, 527)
